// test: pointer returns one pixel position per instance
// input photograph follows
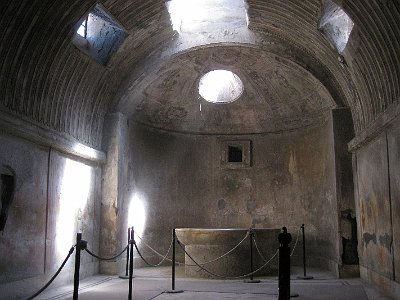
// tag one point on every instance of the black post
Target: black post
(127, 253)
(173, 258)
(251, 280)
(304, 257)
(173, 264)
(284, 264)
(132, 243)
(77, 265)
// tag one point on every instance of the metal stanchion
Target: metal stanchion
(172, 291)
(132, 243)
(284, 266)
(251, 280)
(126, 276)
(80, 245)
(304, 258)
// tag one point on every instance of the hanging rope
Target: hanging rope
(162, 260)
(156, 252)
(297, 240)
(54, 276)
(294, 247)
(223, 255)
(202, 264)
(258, 249)
(108, 258)
(227, 277)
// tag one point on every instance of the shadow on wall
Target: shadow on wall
(7, 187)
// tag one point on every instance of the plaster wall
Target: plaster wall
(49, 206)
(181, 182)
(376, 164)
(113, 237)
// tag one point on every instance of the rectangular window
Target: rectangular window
(99, 35)
(236, 154)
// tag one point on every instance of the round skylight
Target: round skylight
(220, 86)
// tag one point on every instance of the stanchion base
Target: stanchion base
(294, 295)
(174, 291)
(125, 276)
(305, 277)
(252, 281)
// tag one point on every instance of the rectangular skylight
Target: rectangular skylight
(99, 35)
(191, 16)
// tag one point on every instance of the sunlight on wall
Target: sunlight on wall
(74, 194)
(137, 214)
(193, 15)
(85, 151)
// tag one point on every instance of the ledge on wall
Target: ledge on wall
(12, 125)
(382, 122)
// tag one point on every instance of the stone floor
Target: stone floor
(153, 283)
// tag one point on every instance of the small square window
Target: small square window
(236, 154)
(99, 35)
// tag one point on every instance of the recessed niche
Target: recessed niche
(236, 154)
(7, 185)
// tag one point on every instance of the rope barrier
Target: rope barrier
(109, 258)
(162, 260)
(258, 249)
(294, 247)
(191, 265)
(297, 240)
(156, 252)
(223, 255)
(54, 276)
(227, 277)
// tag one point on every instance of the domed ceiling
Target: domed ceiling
(48, 81)
(278, 94)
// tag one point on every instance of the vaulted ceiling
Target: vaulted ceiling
(290, 71)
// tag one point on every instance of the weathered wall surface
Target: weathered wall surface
(347, 220)
(394, 172)
(55, 196)
(112, 237)
(180, 182)
(376, 164)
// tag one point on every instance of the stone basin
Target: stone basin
(208, 244)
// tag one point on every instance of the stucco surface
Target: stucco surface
(50, 205)
(374, 206)
(168, 97)
(22, 243)
(394, 163)
(182, 183)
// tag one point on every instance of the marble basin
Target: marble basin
(205, 245)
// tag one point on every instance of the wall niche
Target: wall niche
(7, 186)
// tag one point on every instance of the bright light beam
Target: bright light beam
(137, 214)
(74, 194)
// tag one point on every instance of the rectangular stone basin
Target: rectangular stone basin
(207, 245)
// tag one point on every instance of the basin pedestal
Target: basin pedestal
(207, 244)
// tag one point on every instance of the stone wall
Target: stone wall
(181, 180)
(54, 197)
(376, 163)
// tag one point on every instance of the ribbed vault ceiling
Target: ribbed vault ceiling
(46, 80)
